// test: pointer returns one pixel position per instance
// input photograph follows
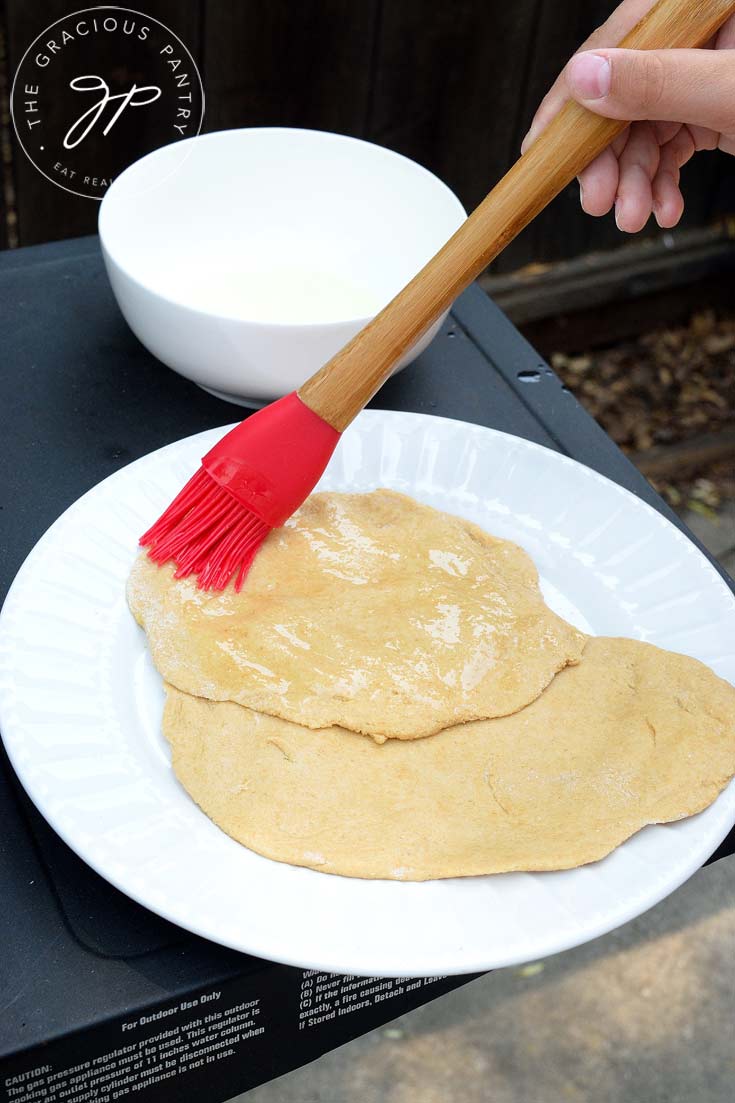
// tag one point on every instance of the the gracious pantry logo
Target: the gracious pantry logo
(97, 90)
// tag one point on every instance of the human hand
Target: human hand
(682, 101)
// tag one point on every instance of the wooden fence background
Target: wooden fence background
(451, 83)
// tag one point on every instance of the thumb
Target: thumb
(683, 86)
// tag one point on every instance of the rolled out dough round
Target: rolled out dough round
(632, 735)
(369, 611)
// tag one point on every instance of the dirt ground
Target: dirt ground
(665, 388)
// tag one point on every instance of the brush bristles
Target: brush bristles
(206, 532)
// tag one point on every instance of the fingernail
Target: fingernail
(589, 76)
(617, 214)
(581, 196)
(527, 141)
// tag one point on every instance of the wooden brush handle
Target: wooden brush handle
(340, 389)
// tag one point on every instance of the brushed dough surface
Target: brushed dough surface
(369, 611)
(632, 735)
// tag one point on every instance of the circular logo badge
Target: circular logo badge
(97, 90)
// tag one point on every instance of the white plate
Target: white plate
(80, 708)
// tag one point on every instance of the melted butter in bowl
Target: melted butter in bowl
(244, 259)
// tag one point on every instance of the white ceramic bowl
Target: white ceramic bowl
(244, 259)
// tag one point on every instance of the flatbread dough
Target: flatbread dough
(370, 611)
(632, 735)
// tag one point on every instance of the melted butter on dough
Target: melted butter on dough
(632, 735)
(369, 611)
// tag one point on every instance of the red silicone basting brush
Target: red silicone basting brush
(263, 470)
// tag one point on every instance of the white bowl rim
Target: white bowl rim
(382, 151)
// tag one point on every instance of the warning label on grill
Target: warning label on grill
(209, 1035)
